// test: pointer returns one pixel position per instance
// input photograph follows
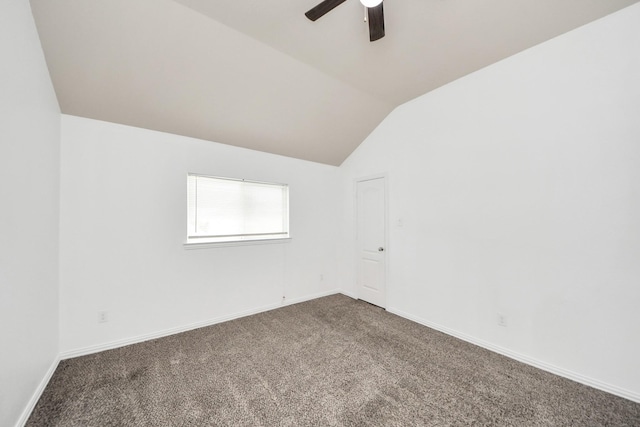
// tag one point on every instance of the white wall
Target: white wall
(123, 210)
(519, 189)
(29, 184)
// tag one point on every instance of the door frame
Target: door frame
(356, 255)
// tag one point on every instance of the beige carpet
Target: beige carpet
(328, 362)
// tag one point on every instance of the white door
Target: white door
(371, 250)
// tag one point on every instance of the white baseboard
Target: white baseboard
(618, 391)
(310, 297)
(37, 393)
(348, 294)
(159, 334)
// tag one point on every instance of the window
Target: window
(232, 210)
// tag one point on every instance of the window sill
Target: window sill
(207, 245)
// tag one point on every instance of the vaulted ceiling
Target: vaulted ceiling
(258, 74)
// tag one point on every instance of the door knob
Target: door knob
(380, 249)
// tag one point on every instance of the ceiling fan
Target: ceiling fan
(375, 15)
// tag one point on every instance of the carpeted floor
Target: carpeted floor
(332, 361)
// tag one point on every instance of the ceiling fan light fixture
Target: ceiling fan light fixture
(370, 3)
(374, 15)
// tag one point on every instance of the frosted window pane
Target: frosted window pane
(238, 210)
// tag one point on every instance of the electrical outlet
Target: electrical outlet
(502, 320)
(103, 317)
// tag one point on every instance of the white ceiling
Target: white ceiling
(260, 75)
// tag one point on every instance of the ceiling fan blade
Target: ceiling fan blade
(323, 8)
(376, 22)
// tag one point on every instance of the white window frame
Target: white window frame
(196, 242)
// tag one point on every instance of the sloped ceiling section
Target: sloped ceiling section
(428, 43)
(158, 65)
(258, 74)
